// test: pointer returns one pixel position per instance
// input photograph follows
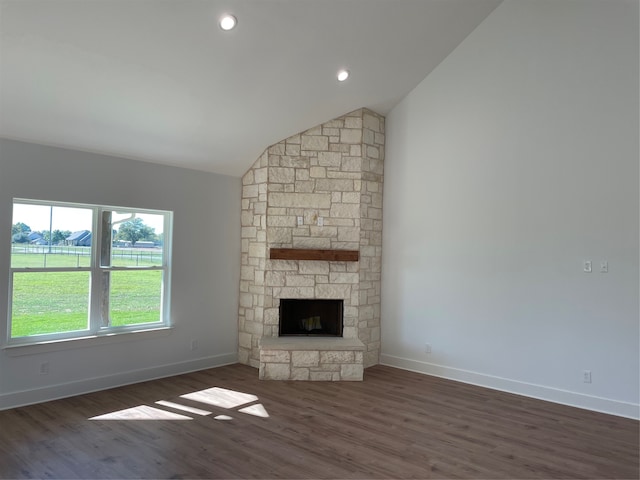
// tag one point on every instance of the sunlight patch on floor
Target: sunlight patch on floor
(216, 396)
(221, 397)
(184, 408)
(223, 417)
(256, 410)
(141, 412)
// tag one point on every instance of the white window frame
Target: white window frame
(96, 326)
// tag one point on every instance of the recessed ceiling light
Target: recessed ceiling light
(343, 75)
(228, 22)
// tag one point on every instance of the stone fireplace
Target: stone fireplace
(318, 192)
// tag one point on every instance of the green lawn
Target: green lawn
(49, 302)
(39, 257)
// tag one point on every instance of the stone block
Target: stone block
(276, 371)
(332, 291)
(300, 200)
(271, 316)
(350, 332)
(350, 135)
(368, 136)
(340, 277)
(243, 356)
(254, 328)
(275, 278)
(283, 265)
(244, 339)
(317, 172)
(337, 357)
(257, 250)
(300, 374)
(315, 142)
(317, 130)
(348, 234)
(314, 267)
(305, 358)
(372, 122)
(302, 174)
(275, 356)
(247, 178)
(281, 221)
(247, 273)
(330, 232)
(329, 159)
(282, 175)
(246, 300)
(246, 218)
(304, 186)
(312, 242)
(299, 280)
(279, 235)
(248, 232)
(334, 185)
(351, 372)
(293, 292)
(345, 210)
(351, 164)
(250, 191)
(293, 140)
(353, 122)
(321, 376)
(351, 197)
(260, 175)
(277, 149)
(292, 150)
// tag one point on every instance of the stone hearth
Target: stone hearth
(320, 189)
(289, 358)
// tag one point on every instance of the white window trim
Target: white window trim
(95, 328)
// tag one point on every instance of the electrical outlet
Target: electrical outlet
(194, 345)
(586, 376)
(44, 368)
(427, 348)
(321, 221)
(604, 266)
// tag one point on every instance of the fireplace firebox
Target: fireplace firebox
(315, 317)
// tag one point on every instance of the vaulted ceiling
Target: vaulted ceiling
(158, 80)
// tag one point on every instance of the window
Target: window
(84, 270)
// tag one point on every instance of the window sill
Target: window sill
(89, 341)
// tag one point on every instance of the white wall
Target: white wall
(511, 163)
(206, 252)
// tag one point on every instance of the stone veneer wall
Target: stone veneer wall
(334, 172)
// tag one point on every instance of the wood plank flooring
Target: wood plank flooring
(395, 424)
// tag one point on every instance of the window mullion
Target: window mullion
(95, 318)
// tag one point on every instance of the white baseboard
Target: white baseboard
(55, 392)
(564, 397)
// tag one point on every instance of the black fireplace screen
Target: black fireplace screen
(311, 317)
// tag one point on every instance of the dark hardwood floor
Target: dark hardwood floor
(395, 424)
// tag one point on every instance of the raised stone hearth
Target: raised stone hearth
(328, 359)
(318, 191)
